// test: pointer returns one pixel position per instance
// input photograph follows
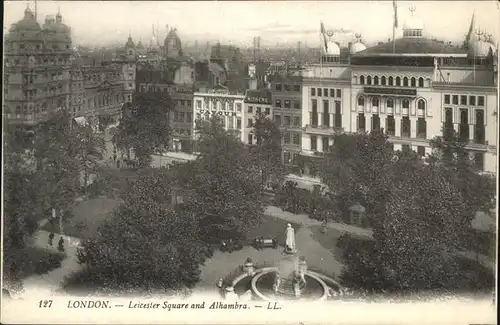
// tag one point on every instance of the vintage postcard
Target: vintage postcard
(250, 162)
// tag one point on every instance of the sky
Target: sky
(99, 23)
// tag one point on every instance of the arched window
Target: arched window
(413, 82)
(405, 82)
(361, 101)
(391, 81)
(421, 104)
(406, 103)
(369, 80)
(375, 80)
(375, 101)
(390, 102)
(362, 80)
(398, 81)
(383, 81)
(421, 82)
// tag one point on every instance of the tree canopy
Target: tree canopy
(223, 188)
(144, 126)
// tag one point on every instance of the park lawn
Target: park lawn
(87, 216)
(271, 227)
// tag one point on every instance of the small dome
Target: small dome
(130, 43)
(414, 23)
(481, 48)
(173, 37)
(357, 47)
(332, 48)
(28, 22)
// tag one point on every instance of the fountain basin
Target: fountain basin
(262, 286)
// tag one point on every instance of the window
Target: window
(313, 91)
(479, 161)
(190, 117)
(390, 102)
(277, 103)
(361, 122)
(288, 103)
(250, 123)
(405, 148)
(296, 88)
(238, 123)
(480, 100)
(296, 104)
(332, 92)
(405, 82)
(369, 80)
(405, 103)
(447, 99)
(339, 93)
(413, 82)
(325, 92)
(421, 104)
(383, 81)
(288, 87)
(463, 100)
(376, 122)
(375, 80)
(296, 139)
(319, 92)
(238, 107)
(455, 99)
(277, 120)
(250, 138)
(277, 87)
(391, 81)
(314, 142)
(362, 80)
(325, 144)
(405, 127)
(421, 82)
(297, 121)
(398, 81)
(391, 125)
(286, 138)
(268, 110)
(250, 109)
(286, 157)
(375, 101)
(361, 101)
(326, 115)
(287, 121)
(338, 114)
(472, 100)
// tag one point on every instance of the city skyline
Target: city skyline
(114, 21)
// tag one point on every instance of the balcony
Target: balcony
(323, 130)
(405, 134)
(391, 132)
(390, 91)
(422, 135)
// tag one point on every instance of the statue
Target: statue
(290, 239)
(277, 283)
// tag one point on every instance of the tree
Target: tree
(144, 126)
(223, 189)
(147, 244)
(268, 150)
(104, 121)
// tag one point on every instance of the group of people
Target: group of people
(60, 244)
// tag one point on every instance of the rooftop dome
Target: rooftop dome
(173, 38)
(28, 22)
(332, 48)
(358, 46)
(130, 42)
(481, 48)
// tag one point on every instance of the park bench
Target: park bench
(262, 242)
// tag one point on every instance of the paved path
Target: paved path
(50, 282)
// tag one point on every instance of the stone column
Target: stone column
(383, 122)
(471, 131)
(368, 122)
(397, 124)
(456, 127)
(413, 128)
(332, 120)
(320, 119)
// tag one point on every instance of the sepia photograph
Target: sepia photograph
(250, 162)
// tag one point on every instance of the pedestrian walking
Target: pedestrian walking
(60, 245)
(51, 239)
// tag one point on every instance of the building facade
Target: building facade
(37, 68)
(256, 102)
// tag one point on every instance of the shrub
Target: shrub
(49, 263)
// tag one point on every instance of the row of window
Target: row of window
(287, 120)
(464, 100)
(219, 105)
(38, 47)
(287, 103)
(391, 81)
(287, 87)
(39, 60)
(183, 117)
(390, 125)
(258, 110)
(324, 92)
(389, 102)
(230, 121)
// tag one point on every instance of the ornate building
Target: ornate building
(37, 68)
